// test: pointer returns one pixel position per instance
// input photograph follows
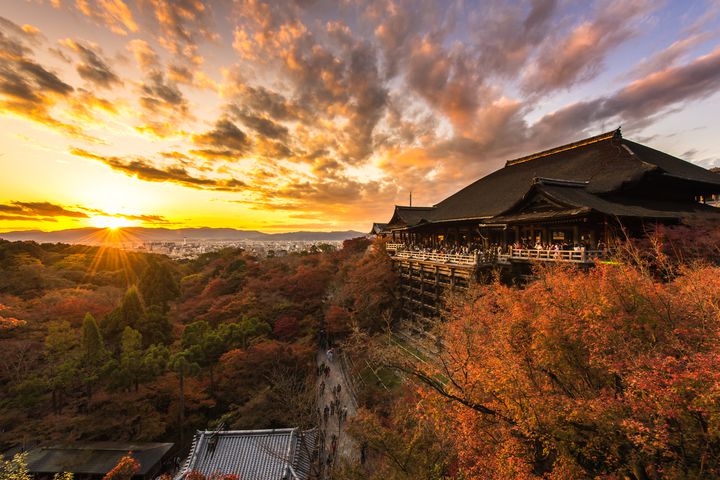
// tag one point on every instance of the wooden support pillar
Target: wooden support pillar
(576, 234)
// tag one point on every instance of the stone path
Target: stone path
(346, 448)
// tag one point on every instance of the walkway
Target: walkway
(340, 408)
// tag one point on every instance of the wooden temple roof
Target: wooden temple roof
(595, 173)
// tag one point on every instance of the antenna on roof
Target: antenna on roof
(411, 198)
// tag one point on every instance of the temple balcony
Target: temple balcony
(399, 251)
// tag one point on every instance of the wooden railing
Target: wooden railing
(576, 256)
(437, 257)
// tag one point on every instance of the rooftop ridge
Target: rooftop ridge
(569, 146)
(559, 182)
(414, 208)
(250, 432)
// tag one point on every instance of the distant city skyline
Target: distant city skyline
(285, 116)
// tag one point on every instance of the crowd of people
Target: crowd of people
(335, 411)
(495, 249)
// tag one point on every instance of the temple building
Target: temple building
(565, 204)
(579, 194)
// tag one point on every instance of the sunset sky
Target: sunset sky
(321, 115)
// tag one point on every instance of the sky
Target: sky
(322, 115)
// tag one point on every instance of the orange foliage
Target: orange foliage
(604, 374)
(125, 469)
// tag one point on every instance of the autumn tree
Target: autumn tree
(399, 445)
(125, 469)
(14, 468)
(601, 374)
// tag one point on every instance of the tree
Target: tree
(155, 326)
(181, 363)
(131, 358)
(15, 468)
(126, 468)
(94, 354)
(158, 284)
(62, 352)
(92, 341)
(601, 374)
(242, 334)
(204, 346)
(155, 361)
(127, 314)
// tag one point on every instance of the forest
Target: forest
(611, 372)
(100, 344)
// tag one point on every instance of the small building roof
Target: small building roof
(94, 458)
(378, 228)
(404, 215)
(278, 454)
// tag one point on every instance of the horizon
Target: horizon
(281, 118)
(178, 228)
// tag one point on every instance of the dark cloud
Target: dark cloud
(49, 212)
(157, 91)
(144, 170)
(92, 66)
(27, 218)
(155, 219)
(263, 100)
(226, 138)
(30, 90)
(39, 209)
(27, 33)
(262, 125)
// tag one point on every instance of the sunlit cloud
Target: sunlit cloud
(335, 111)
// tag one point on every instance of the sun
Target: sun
(110, 222)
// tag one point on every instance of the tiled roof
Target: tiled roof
(605, 164)
(94, 458)
(280, 454)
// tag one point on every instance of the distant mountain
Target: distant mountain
(90, 236)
